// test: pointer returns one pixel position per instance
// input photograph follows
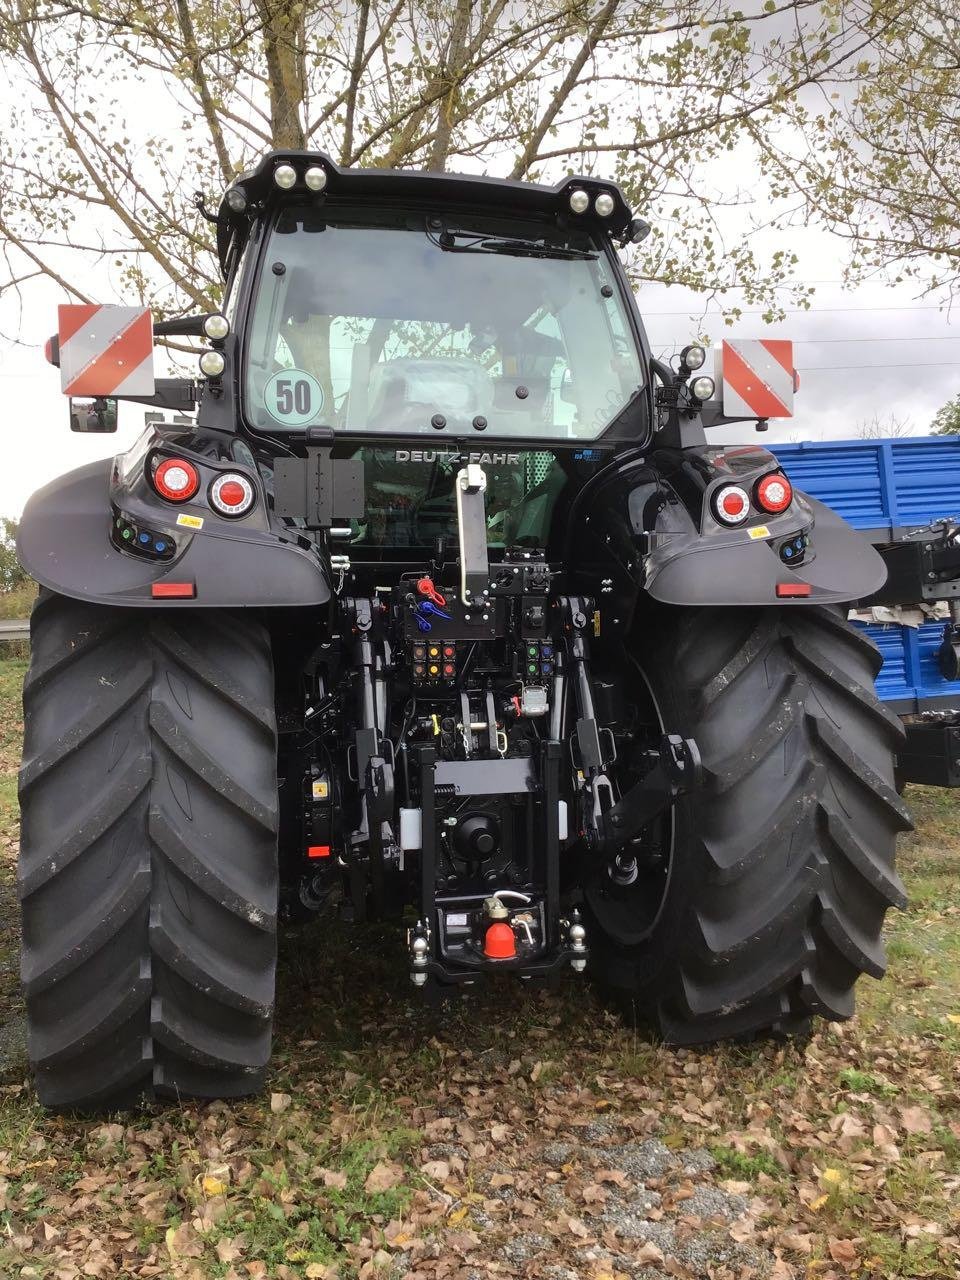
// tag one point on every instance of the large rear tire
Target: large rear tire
(148, 866)
(781, 867)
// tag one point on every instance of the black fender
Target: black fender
(654, 516)
(730, 567)
(66, 542)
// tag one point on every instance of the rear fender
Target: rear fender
(656, 518)
(69, 540)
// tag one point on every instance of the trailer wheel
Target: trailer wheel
(148, 866)
(776, 875)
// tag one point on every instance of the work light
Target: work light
(693, 358)
(316, 177)
(702, 388)
(212, 364)
(216, 327)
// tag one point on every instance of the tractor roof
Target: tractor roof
(416, 186)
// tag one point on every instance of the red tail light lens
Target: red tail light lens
(232, 494)
(176, 480)
(731, 504)
(774, 492)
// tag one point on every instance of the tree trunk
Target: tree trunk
(283, 41)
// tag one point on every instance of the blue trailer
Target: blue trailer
(904, 495)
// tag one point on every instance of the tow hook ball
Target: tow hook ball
(419, 955)
(577, 943)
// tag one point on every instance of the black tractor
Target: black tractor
(441, 610)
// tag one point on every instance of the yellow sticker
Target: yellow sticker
(321, 788)
(596, 622)
(190, 522)
(761, 531)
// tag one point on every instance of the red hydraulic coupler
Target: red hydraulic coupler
(426, 588)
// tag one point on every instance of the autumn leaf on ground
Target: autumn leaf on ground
(383, 1177)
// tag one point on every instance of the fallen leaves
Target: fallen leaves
(915, 1120)
(429, 1160)
(383, 1177)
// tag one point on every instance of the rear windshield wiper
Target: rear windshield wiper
(472, 243)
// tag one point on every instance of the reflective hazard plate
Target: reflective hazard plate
(105, 351)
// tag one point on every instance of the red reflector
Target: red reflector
(793, 589)
(173, 590)
(732, 504)
(318, 851)
(232, 493)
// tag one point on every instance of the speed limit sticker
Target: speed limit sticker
(293, 397)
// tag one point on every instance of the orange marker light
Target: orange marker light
(793, 589)
(173, 590)
(318, 851)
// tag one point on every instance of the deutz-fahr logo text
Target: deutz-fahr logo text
(440, 455)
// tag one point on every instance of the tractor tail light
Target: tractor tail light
(774, 493)
(176, 479)
(231, 494)
(731, 504)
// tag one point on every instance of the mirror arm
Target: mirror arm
(170, 393)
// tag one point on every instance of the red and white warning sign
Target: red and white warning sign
(106, 351)
(758, 378)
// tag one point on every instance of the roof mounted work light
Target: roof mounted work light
(315, 177)
(285, 176)
(236, 199)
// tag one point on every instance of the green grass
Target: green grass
(18, 602)
(735, 1164)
